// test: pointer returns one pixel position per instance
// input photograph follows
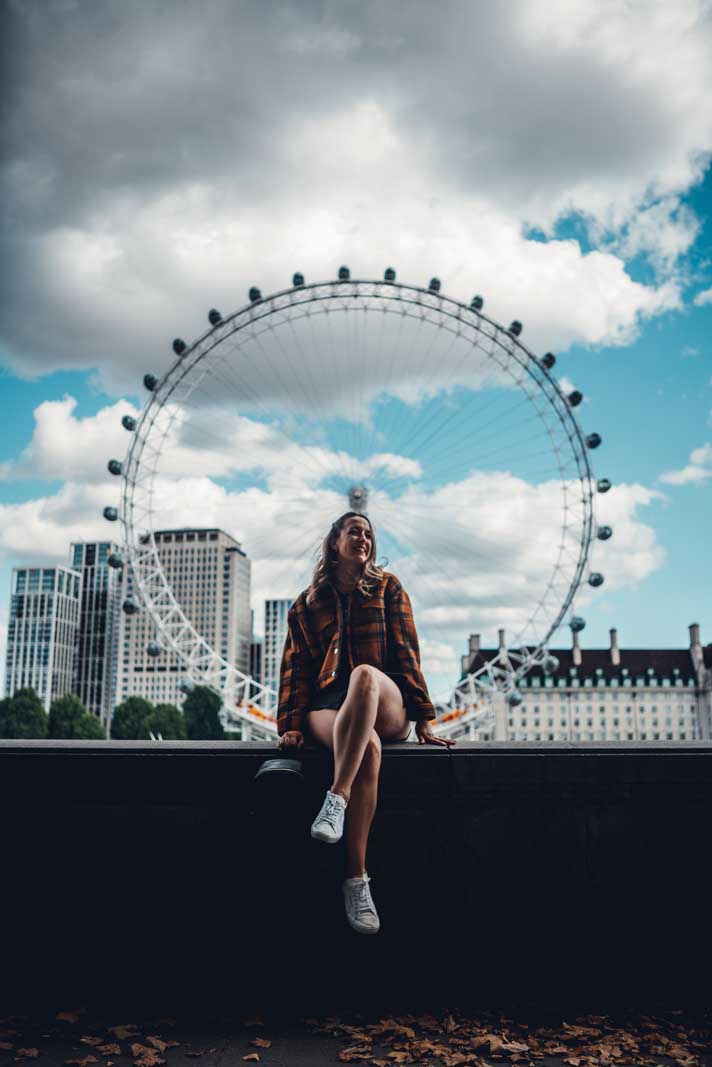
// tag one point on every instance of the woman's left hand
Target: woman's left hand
(427, 737)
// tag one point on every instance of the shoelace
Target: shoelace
(332, 810)
(363, 898)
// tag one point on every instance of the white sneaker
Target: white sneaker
(360, 909)
(329, 823)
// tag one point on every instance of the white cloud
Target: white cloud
(403, 140)
(697, 470)
(703, 297)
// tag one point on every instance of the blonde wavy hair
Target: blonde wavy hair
(326, 565)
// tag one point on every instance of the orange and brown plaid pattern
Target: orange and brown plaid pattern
(381, 632)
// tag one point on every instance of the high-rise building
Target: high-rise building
(605, 694)
(42, 631)
(275, 636)
(256, 646)
(209, 575)
(95, 663)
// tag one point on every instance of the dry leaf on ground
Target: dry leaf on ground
(123, 1032)
(83, 1063)
(111, 1049)
(261, 1042)
(252, 1056)
(27, 1053)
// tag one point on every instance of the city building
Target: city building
(274, 639)
(42, 631)
(209, 575)
(611, 694)
(96, 654)
(256, 645)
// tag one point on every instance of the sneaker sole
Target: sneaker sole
(363, 929)
(327, 840)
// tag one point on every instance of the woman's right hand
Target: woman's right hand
(291, 739)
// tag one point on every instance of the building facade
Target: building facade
(275, 636)
(42, 631)
(209, 575)
(612, 694)
(96, 658)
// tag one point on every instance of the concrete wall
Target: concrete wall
(164, 872)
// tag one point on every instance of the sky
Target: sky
(554, 156)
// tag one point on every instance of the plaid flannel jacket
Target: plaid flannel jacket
(381, 632)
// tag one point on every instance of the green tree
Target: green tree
(22, 715)
(69, 719)
(200, 710)
(129, 722)
(166, 720)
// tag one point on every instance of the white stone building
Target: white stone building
(42, 631)
(209, 574)
(612, 694)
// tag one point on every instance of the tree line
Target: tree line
(23, 716)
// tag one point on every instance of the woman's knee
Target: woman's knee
(364, 679)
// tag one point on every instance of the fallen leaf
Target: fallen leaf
(355, 1052)
(111, 1049)
(28, 1053)
(261, 1042)
(251, 1056)
(94, 1041)
(122, 1032)
(6, 1046)
(84, 1062)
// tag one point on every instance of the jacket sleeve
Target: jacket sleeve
(296, 678)
(405, 654)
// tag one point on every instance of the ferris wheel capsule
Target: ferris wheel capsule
(477, 303)
(574, 398)
(603, 485)
(548, 360)
(153, 649)
(604, 532)
(186, 685)
(214, 317)
(595, 579)
(514, 698)
(434, 285)
(128, 422)
(549, 664)
(150, 382)
(110, 514)
(577, 624)
(116, 561)
(129, 606)
(298, 280)
(115, 466)
(344, 274)
(515, 328)
(593, 440)
(389, 275)
(179, 346)
(254, 294)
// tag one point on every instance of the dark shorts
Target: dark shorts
(334, 698)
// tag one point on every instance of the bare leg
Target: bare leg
(362, 789)
(362, 807)
(353, 727)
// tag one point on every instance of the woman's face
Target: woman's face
(355, 541)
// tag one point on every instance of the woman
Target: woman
(351, 679)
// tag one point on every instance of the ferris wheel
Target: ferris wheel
(380, 397)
